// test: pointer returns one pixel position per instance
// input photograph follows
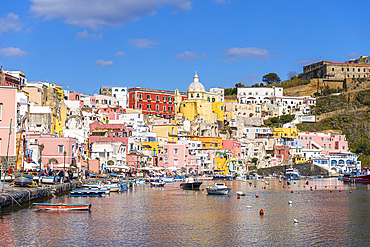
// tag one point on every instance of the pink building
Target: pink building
(326, 141)
(233, 147)
(54, 148)
(8, 111)
(109, 133)
(177, 155)
(282, 152)
(103, 101)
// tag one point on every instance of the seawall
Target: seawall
(306, 169)
(16, 196)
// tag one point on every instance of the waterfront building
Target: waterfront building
(338, 163)
(112, 155)
(8, 114)
(153, 102)
(324, 142)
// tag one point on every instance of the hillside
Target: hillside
(356, 126)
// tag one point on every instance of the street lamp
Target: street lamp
(65, 153)
(41, 148)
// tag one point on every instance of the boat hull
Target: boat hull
(63, 207)
(87, 192)
(211, 191)
(359, 179)
(157, 184)
(23, 179)
(191, 186)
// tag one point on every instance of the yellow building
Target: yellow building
(298, 159)
(222, 162)
(211, 142)
(285, 132)
(153, 146)
(200, 103)
(166, 132)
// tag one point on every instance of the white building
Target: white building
(111, 154)
(338, 163)
(121, 95)
(257, 95)
(220, 93)
(293, 105)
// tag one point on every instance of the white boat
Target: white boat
(292, 173)
(8, 178)
(48, 180)
(205, 178)
(168, 180)
(218, 189)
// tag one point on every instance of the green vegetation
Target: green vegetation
(277, 121)
(338, 102)
(271, 78)
(233, 90)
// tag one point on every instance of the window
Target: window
(169, 99)
(170, 109)
(110, 102)
(213, 99)
(60, 148)
(148, 96)
(148, 107)
(157, 98)
(165, 151)
(116, 90)
(140, 106)
(157, 107)
(176, 162)
(165, 160)
(140, 96)
(208, 99)
(175, 152)
(165, 98)
(114, 95)
(198, 95)
(164, 108)
(1, 111)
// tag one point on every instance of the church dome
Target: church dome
(196, 85)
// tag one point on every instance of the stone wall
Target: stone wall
(306, 169)
(11, 162)
(342, 111)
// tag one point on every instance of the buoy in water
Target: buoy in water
(249, 207)
(290, 202)
(350, 191)
(331, 191)
(340, 191)
(367, 189)
(291, 191)
(295, 221)
(261, 212)
(256, 196)
(269, 188)
(238, 197)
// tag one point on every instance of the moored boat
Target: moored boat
(218, 189)
(190, 184)
(292, 174)
(157, 184)
(23, 179)
(89, 192)
(48, 180)
(362, 176)
(63, 206)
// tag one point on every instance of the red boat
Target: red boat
(63, 207)
(362, 176)
(157, 184)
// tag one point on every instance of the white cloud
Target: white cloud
(95, 14)
(221, 1)
(10, 22)
(307, 61)
(250, 78)
(13, 52)
(119, 54)
(103, 63)
(143, 43)
(86, 35)
(247, 52)
(190, 56)
(353, 55)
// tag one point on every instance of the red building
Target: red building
(109, 133)
(9, 80)
(153, 102)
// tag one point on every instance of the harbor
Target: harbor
(326, 211)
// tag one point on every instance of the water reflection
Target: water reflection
(166, 216)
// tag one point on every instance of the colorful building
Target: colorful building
(285, 132)
(324, 142)
(153, 102)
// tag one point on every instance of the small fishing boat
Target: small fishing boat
(48, 180)
(362, 176)
(168, 180)
(292, 174)
(23, 179)
(89, 192)
(218, 189)
(157, 184)
(63, 206)
(190, 184)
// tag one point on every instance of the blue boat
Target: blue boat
(88, 192)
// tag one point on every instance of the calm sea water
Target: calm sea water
(169, 216)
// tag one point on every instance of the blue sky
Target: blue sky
(159, 44)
